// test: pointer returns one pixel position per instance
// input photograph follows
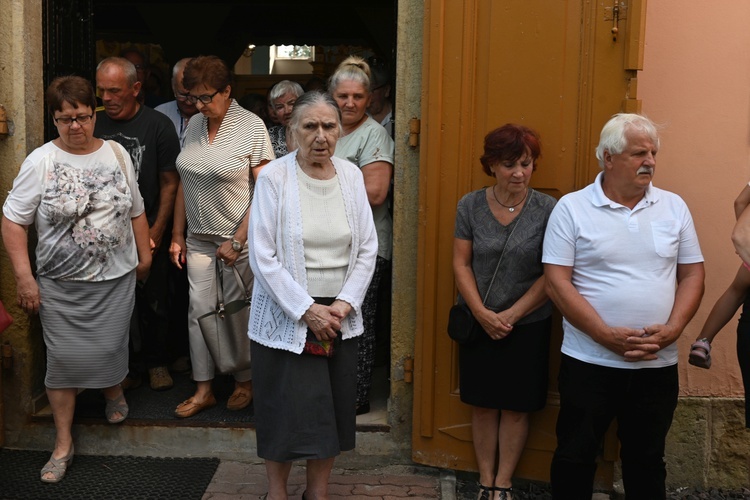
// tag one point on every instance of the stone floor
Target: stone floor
(243, 481)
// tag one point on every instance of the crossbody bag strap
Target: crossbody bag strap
(517, 223)
(120, 159)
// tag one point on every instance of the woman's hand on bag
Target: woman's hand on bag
(177, 251)
(226, 253)
(323, 321)
(496, 325)
(27, 295)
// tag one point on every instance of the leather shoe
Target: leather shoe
(240, 398)
(160, 379)
(190, 407)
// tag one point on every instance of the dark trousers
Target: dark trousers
(743, 355)
(149, 340)
(643, 402)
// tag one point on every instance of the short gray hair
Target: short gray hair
(309, 99)
(179, 66)
(285, 87)
(612, 138)
(128, 68)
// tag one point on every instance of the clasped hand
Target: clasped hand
(640, 344)
(496, 325)
(325, 321)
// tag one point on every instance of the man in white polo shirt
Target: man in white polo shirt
(623, 265)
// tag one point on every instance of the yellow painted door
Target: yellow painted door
(555, 66)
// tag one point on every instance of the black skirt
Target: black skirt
(508, 374)
(304, 405)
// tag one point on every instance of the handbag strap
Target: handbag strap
(494, 275)
(120, 159)
(220, 285)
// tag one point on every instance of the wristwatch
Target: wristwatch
(236, 245)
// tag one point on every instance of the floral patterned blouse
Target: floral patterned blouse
(82, 207)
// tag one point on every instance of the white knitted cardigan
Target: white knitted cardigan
(277, 254)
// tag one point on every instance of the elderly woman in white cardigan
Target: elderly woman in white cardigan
(313, 254)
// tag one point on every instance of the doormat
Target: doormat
(146, 404)
(97, 477)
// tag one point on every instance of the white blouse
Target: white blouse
(82, 207)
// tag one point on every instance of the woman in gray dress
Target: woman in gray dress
(503, 373)
(82, 195)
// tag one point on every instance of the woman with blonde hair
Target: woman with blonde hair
(366, 143)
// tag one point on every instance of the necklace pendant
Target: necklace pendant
(511, 209)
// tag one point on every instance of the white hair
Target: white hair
(612, 138)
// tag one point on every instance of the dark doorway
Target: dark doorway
(77, 32)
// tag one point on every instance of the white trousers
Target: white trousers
(201, 268)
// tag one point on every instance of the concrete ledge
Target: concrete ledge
(447, 484)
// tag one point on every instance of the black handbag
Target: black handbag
(225, 328)
(463, 327)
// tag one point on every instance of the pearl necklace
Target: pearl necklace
(511, 208)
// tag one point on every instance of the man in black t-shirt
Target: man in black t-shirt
(152, 142)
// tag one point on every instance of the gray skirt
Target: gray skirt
(86, 328)
(304, 405)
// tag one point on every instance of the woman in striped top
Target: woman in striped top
(225, 147)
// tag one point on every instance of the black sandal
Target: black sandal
(485, 492)
(504, 492)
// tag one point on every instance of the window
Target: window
(295, 52)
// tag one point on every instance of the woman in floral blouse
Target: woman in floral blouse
(82, 196)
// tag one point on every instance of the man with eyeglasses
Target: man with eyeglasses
(181, 109)
(152, 142)
(179, 112)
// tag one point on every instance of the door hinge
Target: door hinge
(414, 128)
(409, 370)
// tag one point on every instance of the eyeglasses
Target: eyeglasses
(205, 98)
(68, 120)
(180, 97)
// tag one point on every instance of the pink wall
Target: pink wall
(696, 82)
